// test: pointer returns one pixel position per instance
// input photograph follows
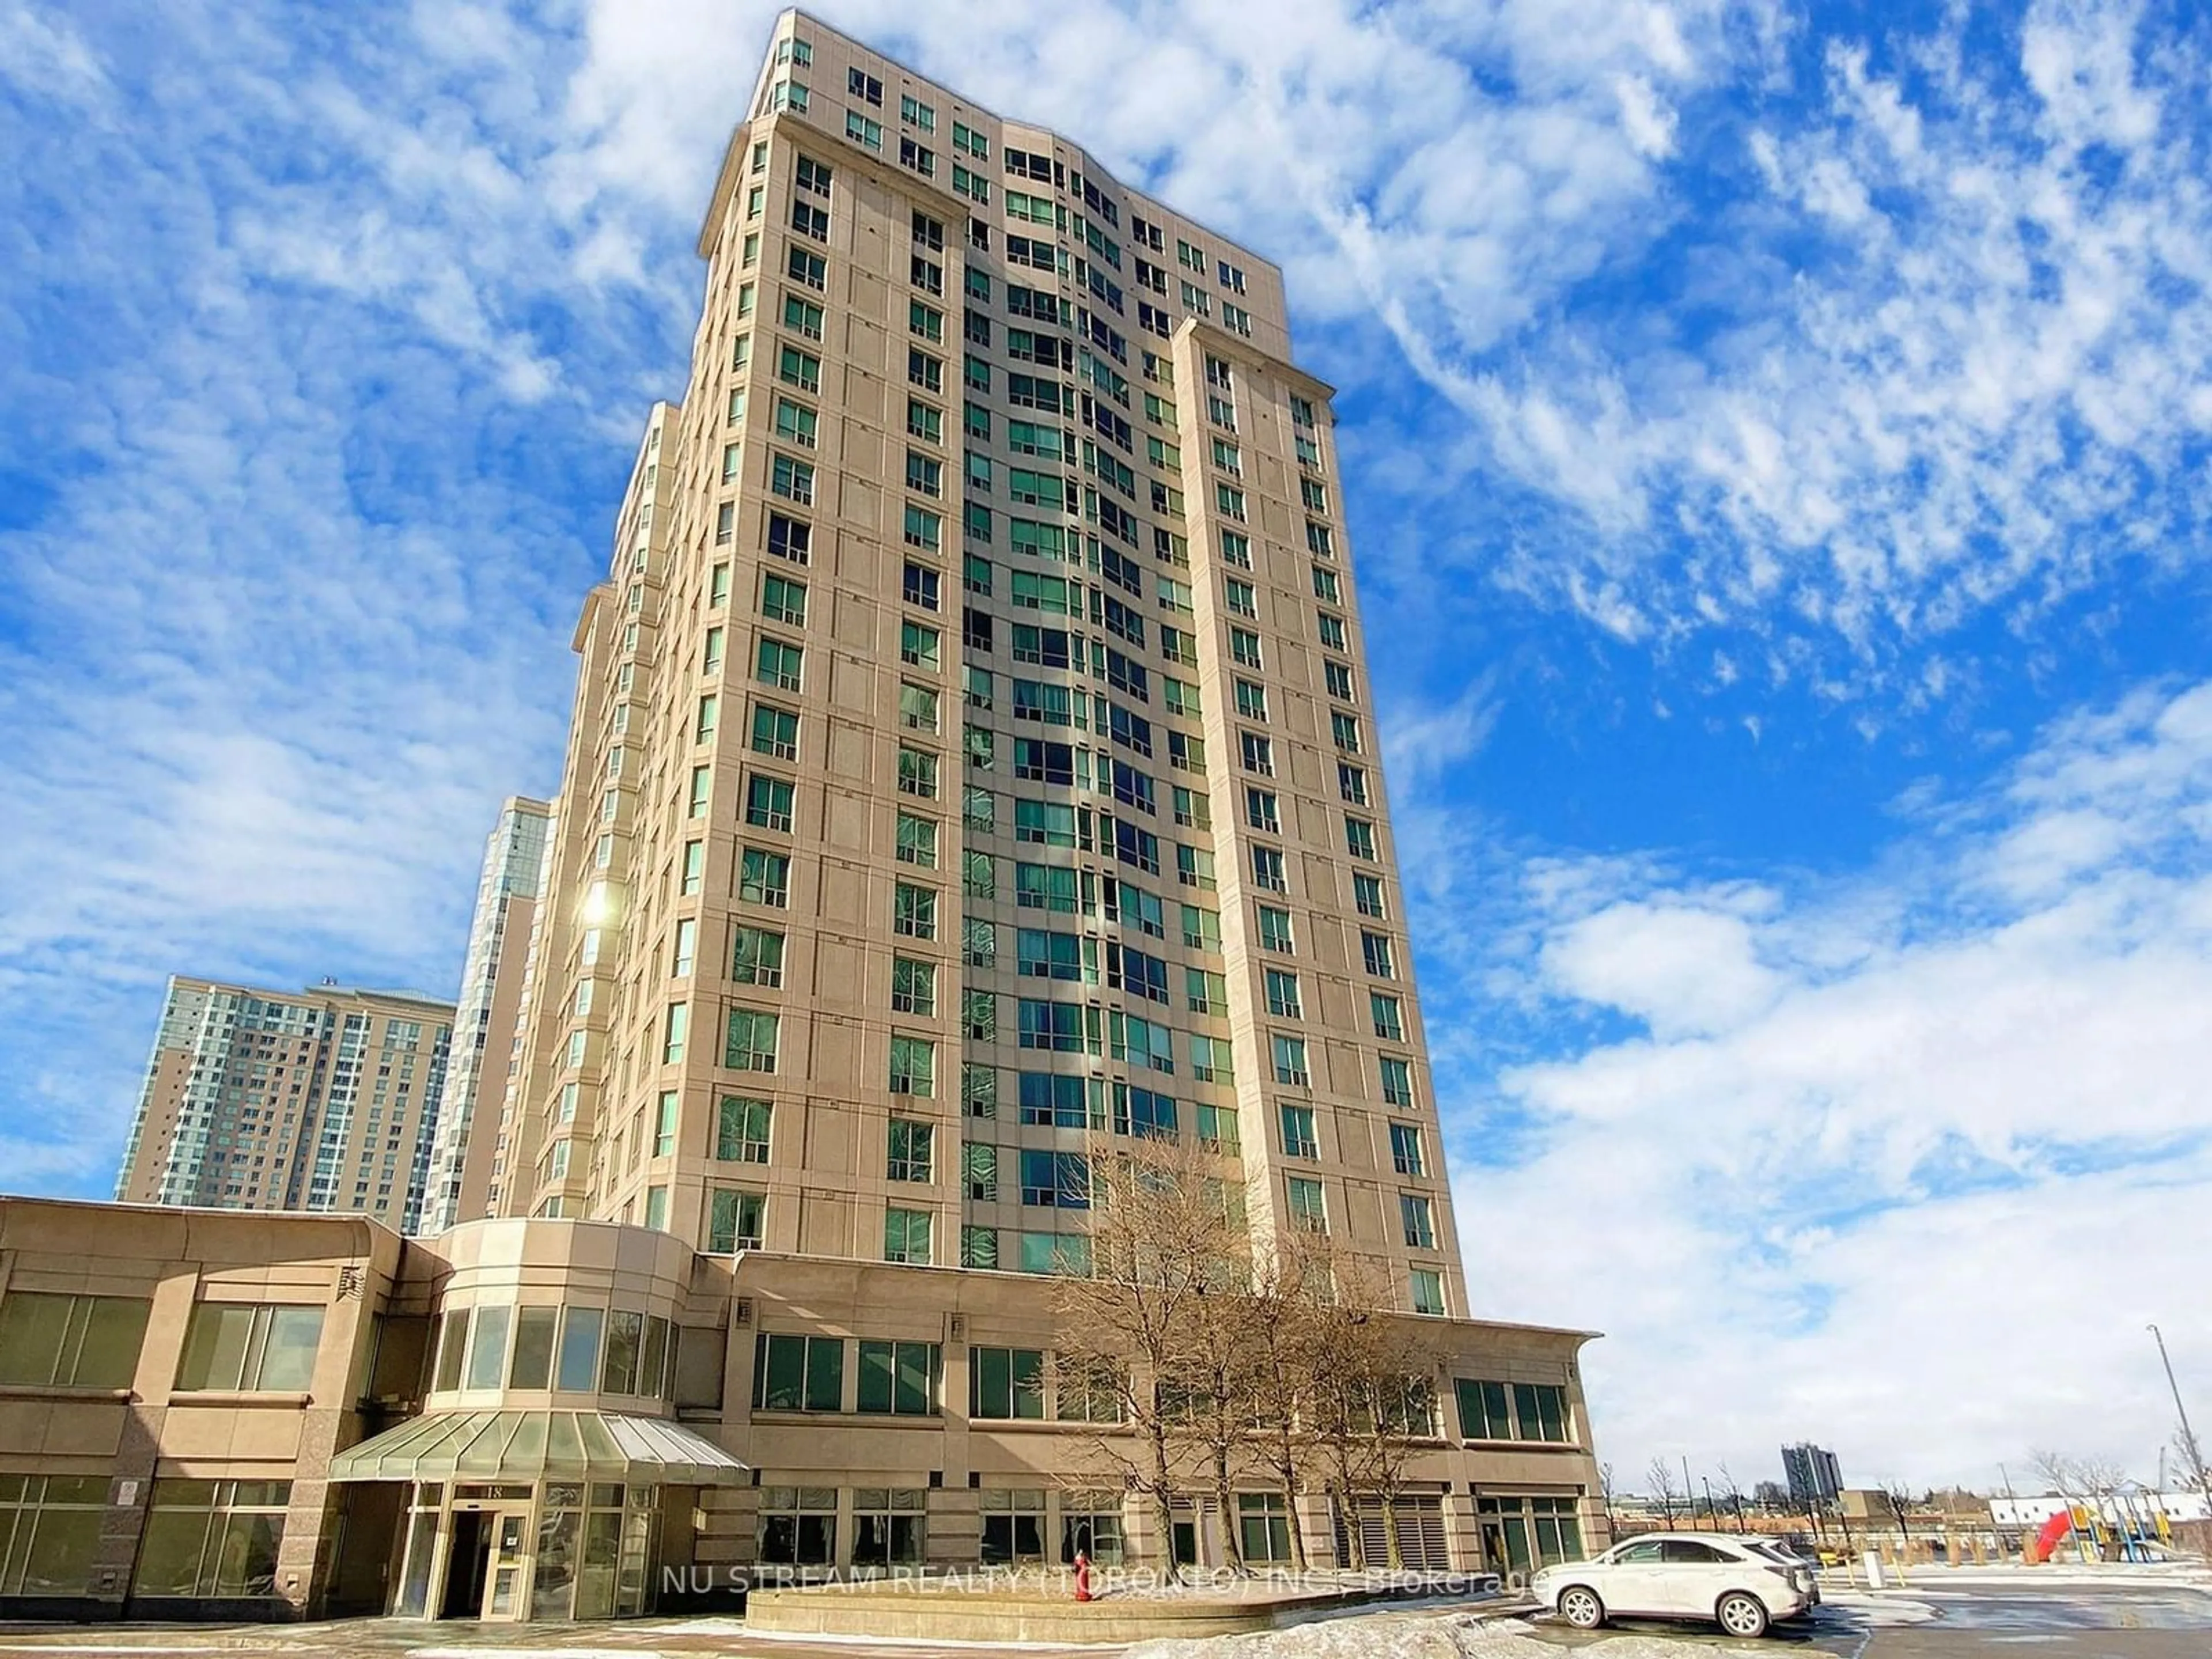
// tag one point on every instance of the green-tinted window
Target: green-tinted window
(1005, 1383)
(799, 1373)
(71, 1341)
(1482, 1410)
(900, 1377)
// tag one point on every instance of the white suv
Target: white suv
(1741, 1584)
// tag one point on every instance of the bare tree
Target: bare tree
(2056, 1469)
(1215, 1382)
(1661, 1476)
(2191, 1476)
(1733, 1494)
(1898, 1496)
(2100, 1476)
(1605, 1491)
(1369, 1394)
(1165, 1255)
(1286, 1363)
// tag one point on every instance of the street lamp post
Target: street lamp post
(2188, 1434)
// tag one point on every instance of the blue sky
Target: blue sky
(1776, 448)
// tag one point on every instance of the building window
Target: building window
(913, 986)
(1418, 1219)
(249, 1347)
(916, 841)
(902, 1378)
(749, 1045)
(765, 877)
(910, 1156)
(1307, 1210)
(768, 802)
(1367, 895)
(780, 664)
(914, 1067)
(1005, 1383)
(1397, 1081)
(1263, 1526)
(799, 1373)
(1299, 1139)
(917, 773)
(1013, 1527)
(914, 911)
(1539, 1411)
(888, 1526)
(1090, 1522)
(1406, 1149)
(212, 1538)
(775, 731)
(906, 1236)
(798, 1526)
(734, 1221)
(50, 1523)
(920, 646)
(1056, 1180)
(1283, 999)
(70, 1341)
(1375, 950)
(756, 956)
(741, 1129)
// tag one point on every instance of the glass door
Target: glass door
(506, 1582)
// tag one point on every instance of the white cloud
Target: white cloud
(1902, 1163)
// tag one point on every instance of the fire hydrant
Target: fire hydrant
(1082, 1576)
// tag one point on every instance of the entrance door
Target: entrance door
(468, 1564)
(508, 1555)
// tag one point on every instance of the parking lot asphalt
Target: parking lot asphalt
(2062, 1621)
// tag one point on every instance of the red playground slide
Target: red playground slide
(2054, 1531)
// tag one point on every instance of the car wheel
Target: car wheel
(1741, 1615)
(1580, 1607)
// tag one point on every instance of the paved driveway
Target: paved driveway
(2059, 1621)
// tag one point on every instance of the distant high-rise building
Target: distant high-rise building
(464, 1140)
(321, 1099)
(1811, 1474)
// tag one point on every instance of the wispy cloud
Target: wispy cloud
(1904, 1125)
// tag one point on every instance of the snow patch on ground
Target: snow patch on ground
(1878, 1608)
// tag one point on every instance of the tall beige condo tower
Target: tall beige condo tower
(973, 745)
(320, 1099)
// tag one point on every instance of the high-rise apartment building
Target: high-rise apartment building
(464, 1140)
(1814, 1477)
(321, 1099)
(974, 747)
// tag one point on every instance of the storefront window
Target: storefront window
(888, 1525)
(799, 1526)
(1013, 1526)
(49, 1528)
(213, 1538)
